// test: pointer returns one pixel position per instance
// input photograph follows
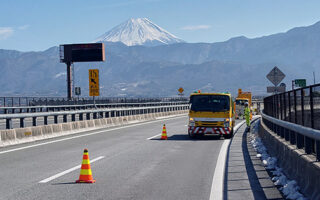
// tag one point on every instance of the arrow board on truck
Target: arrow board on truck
(275, 76)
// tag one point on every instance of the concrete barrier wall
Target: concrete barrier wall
(295, 163)
(22, 135)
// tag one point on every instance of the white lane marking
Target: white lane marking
(68, 171)
(88, 134)
(219, 172)
(153, 136)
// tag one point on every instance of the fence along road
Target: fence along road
(295, 116)
(83, 114)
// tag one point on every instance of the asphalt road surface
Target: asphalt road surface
(131, 163)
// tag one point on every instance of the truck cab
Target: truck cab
(211, 113)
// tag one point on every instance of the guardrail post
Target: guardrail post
(308, 145)
(22, 122)
(55, 119)
(292, 137)
(302, 107)
(45, 120)
(318, 150)
(289, 109)
(300, 140)
(73, 117)
(295, 106)
(311, 107)
(65, 118)
(286, 134)
(34, 121)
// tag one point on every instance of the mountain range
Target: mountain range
(159, 69)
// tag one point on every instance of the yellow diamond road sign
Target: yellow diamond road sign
(180, 90)
(94, 82)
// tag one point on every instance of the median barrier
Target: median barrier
(90, 123)
(296, 164)
(82, 124)
(97, 122)
(109, 121)
(75, 125)
(8, 137)
(103, 122)
(47, 130)
(66, 127)
(21, 135)
(56, 128)
(36, 131)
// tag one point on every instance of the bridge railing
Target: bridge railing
(80, 115)
(45, 101)
(55, 108)
(295, 116)
(300, 106)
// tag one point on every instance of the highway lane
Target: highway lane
(133, 167)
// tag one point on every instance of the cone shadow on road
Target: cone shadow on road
(185, 137)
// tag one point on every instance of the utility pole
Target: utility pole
(314, 78)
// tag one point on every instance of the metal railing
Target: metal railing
(81, 115)
(295, 116)
(300, 136)
(45, 101)
(49, 108)
(300, 106)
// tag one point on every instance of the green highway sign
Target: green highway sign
(300, 82)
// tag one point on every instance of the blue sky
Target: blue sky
(34, 25)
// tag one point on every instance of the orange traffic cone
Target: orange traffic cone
(85, 172)
(164, 133)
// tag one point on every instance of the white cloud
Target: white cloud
(24, 27)
(61, 74)
(197, 27)
(5, 32)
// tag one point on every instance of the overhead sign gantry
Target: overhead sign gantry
(70, 53)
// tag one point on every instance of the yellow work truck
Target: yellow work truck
(211, 113)
(241, 100)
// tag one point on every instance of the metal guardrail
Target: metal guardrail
(97, 113)
(45, 101)
(303, 137)
(33, 109)
(295, 116)
(300, 106)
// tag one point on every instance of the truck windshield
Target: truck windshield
(211, 103)
(241, 102)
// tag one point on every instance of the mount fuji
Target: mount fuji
(139, 31)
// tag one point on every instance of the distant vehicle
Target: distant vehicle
(240, 101)
(211, 113)
(239, 107)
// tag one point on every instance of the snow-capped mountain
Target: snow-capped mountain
(139, 31)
